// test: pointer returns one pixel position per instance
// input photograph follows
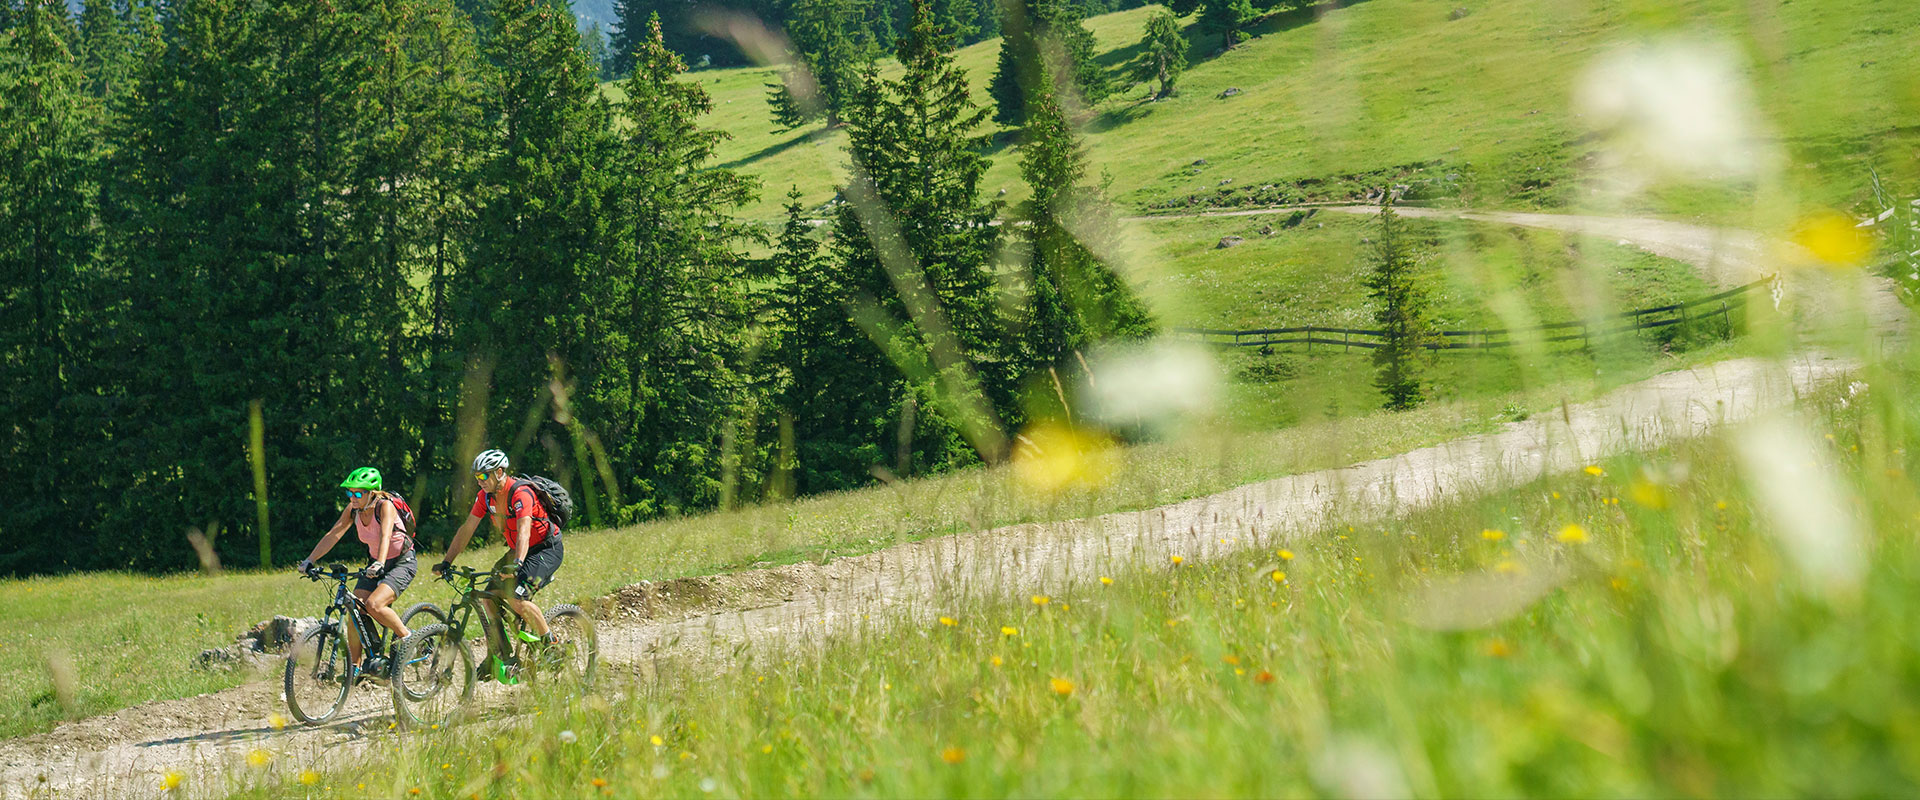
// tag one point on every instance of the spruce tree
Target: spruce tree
(1227, 19)
(1044, 48)
(1073, 298)
(1163, 53)
(105, 53)
(830, 45)
(673, 304)
(918, 234)
(541, 234)
(413, 187)
(1395, 284)
(960, 19)
(47, 247)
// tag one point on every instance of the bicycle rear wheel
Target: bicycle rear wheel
(432, 677)
(571, 659)
(317, 677)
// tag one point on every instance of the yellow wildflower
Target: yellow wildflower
(657, 741)
(1106, 581)
(995, 661)
(1062, 686)
(1493, 535)
(1594, 470)
(948, 621)
(258, 757)
(309, 777)
(953, 755)
(1009, 630)
(1278, 576)
(1177, 560)
(171, 780)
(1498, 648)
(1572, 534)
(1286, 555)
(1040, 599)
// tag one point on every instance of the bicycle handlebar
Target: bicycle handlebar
(339, 572)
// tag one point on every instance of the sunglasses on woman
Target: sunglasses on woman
(356, 494)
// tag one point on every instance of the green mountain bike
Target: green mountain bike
(436, 666)
(318, 677)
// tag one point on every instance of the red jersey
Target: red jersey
(522, 503)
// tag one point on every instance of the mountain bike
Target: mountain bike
(437, 674)
(318, 677)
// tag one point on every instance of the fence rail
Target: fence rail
(1721, 305)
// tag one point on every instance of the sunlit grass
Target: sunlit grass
(1640, 627)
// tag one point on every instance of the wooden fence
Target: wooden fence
(1719, 306)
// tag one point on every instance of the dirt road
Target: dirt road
(208, 738)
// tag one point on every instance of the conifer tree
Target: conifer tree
(831, 381)
(1073, 298)
(1227, 19)
(541, 233)
(1395, 284)
(1044, 47)
(105, 48)
(47, 246)
(1163, 53)
(917, 239)
(673, 303)
(831, 45)
(413, 186)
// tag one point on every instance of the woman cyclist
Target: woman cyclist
(377, 522)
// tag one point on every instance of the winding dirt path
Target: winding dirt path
(207, 738)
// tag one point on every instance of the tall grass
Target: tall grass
(1654, 625)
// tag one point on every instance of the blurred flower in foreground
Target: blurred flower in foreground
(1359, 768)
(1050, 457)
(1833, 240)
(1675, 107)
(1154, 386)
(1804, 503)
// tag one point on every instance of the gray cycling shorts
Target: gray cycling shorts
(398, 576)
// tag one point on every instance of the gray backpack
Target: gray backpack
(553, 497)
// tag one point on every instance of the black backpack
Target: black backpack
(553, 497)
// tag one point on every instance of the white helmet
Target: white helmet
(489, 461)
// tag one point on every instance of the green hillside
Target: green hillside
(1487, 98)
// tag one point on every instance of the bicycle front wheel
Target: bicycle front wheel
(432, 677)
(571, 659)
(318, 677)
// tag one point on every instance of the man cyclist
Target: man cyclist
(533, 549)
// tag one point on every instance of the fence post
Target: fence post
(1728, 320)
(1309, 340)
(1346, 341)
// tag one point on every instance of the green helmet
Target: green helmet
(362, 478)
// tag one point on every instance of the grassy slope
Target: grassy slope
(1389, 82)
(1666, 646)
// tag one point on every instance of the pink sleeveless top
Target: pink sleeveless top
(366, 523)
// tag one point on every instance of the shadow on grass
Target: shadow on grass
(777, 148)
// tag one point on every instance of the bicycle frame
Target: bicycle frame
(470, 602)
(372, 635)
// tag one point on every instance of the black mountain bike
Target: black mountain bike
(318, 677)
(437, 664)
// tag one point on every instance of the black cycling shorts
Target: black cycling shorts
(398, 575)
(542, 561)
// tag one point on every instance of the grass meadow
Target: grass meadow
(1731, 616)
(1491, 98)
